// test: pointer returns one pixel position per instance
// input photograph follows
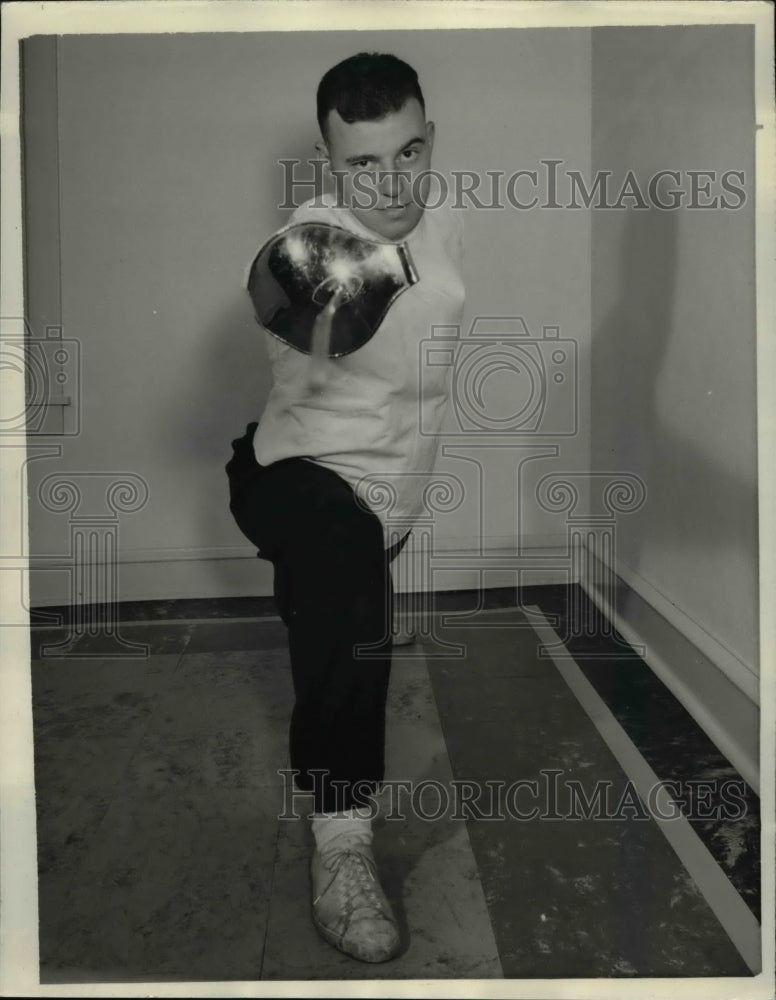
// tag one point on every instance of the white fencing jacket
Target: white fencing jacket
(378, 416)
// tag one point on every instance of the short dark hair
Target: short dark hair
(367, 87)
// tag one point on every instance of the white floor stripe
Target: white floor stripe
(729, 908)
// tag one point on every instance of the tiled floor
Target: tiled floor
(162, 855)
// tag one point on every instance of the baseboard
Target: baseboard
(726, 711)
(462, 563)
(744, 675)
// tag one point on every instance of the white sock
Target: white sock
(337, 831)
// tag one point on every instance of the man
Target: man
(300, 484)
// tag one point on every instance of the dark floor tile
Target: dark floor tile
(168, 765)
(62, 685)
(528, 709)
(128, 642)
(135, 881)
(675, 747)
(192, 609)
(723, 809)
(67, 822)
(88, 720)
(735, 845)
(457, 600)
(591, 899)
(574, 893)
(75, 781)
(224, 635)
(215, 693)
(511, 649)
(115, 715)
(241, 672)
(40, 637)
(160, 897)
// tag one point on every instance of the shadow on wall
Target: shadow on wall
(687, 492)
(229, 375)
(233, 366)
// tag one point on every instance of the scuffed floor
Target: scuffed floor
(162, 854)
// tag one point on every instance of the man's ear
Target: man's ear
(322, 151)
(430, 132)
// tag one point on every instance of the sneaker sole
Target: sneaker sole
(330, 937)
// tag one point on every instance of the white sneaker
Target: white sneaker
(350, 910)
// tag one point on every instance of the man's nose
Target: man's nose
(392, 184)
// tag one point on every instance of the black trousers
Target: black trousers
(333, 590)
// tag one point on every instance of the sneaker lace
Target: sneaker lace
(355, 873)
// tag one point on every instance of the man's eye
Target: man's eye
(409, 154)
(362, 164)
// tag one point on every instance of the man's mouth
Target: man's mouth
(394, 209)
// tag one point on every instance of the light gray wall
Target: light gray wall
(168, 181)
(673, 330)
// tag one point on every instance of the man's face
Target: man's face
(379, 163)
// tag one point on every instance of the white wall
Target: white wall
(166, 167)
(673, 332)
